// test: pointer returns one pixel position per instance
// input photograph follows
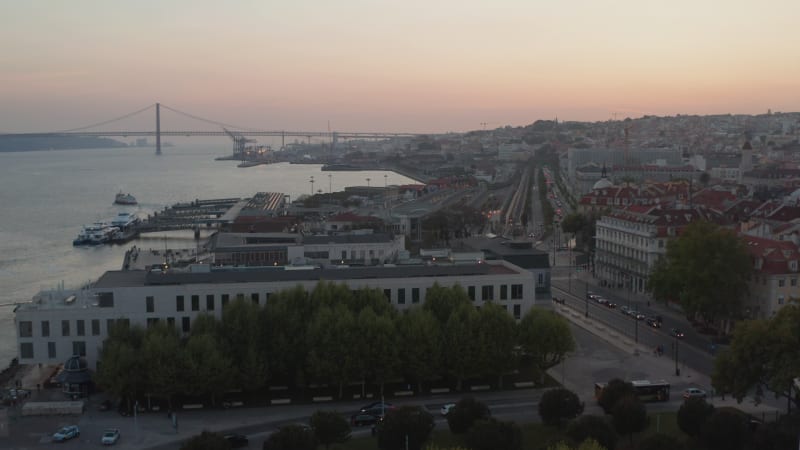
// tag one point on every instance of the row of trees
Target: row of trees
(329, 335)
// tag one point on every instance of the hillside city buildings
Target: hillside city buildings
(644, 180)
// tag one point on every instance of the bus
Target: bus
(646, 390)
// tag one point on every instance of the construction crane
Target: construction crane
(239, 143)
(483, 124)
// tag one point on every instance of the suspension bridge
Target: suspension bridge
(239, 135)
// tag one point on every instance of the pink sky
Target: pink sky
(374, 65)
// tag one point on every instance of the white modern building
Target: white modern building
(59, 324)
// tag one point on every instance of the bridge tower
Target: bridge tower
(158, 128)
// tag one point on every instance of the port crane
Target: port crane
(239, 143)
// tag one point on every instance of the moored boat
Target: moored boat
(125, 220)
(125, 199)
(95, 234)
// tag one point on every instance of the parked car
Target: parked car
(110, 436)
(609, 304)
(637, 315)
(694, 393)
(446, 408)
(66, 433)
(652, 322)
(236, 440)
(361, 418)
(676, 333)
(625, 310)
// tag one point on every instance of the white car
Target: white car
(66, 433)
(110, 436)
(446, 408)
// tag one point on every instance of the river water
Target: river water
(47, 196)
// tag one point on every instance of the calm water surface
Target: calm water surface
(47, 196)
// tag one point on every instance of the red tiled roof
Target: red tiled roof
(774, 255)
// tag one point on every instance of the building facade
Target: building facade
(60, 324)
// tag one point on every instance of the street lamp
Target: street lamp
(368, 178)
(385, 180)
(312, 184)
(677, 370)
(330, 176)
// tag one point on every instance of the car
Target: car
(446, 408)
(652, 322)
(609, 304)
(236, 440)
(625, 310)
(694, 393)
(66, 433)
(636, 315)
(376, 406)
(676, 333)
(361, 418)
(110, 436)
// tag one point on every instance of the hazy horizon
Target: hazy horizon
(383, 66)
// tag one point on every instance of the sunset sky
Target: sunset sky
(385, 65)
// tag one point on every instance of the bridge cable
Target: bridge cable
(213, 122)
(107, 121)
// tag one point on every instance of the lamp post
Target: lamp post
(330, 184)
(677, 370)
(312, 184)
(385, 181)
(586, 296)
(368, 178)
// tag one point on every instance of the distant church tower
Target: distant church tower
(746, 165)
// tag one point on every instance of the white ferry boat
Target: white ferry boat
(95, 234)
(125, 220)
(125, 199)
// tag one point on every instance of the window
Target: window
(517, 312)
(151, 322)
(26, 350)
(487, 292)
(225, 299)
(185, 324)
(240, 296)
(503, 292)
(516, 291)
(171, 322)
(254, 297)
(65, 328)
(45, 328)
(388, 294)
(471, 292)
(51, 350)
(179, 303)
(26, 328)
(209, 302)
(414, 295)
(105, 299)
(109, 325)
(793, 281)
(79, 348)
(95, 327)
(781, 282)
(151, 304)
(195, 303)
(80, 328)
(401, 296)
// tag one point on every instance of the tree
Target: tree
(588, 444)
(558, 406)
(378, 349)
(208, 368)
(492, 434)
(724, 430)
(707, 268)
(330, 428)
(545, 337)
(442, 301)
(332, 337)
(762, 357)
(405, 428)
(692, 416)
(461, 341)
(164, 355)
(420, 345)
(592, 427)
(291, 437)
(467, 411)
(661, 441)
(496, 341)
(630, 416)
(241, 329)
(613, 392)
(206, 441)
(286, 317)
(122, 372)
